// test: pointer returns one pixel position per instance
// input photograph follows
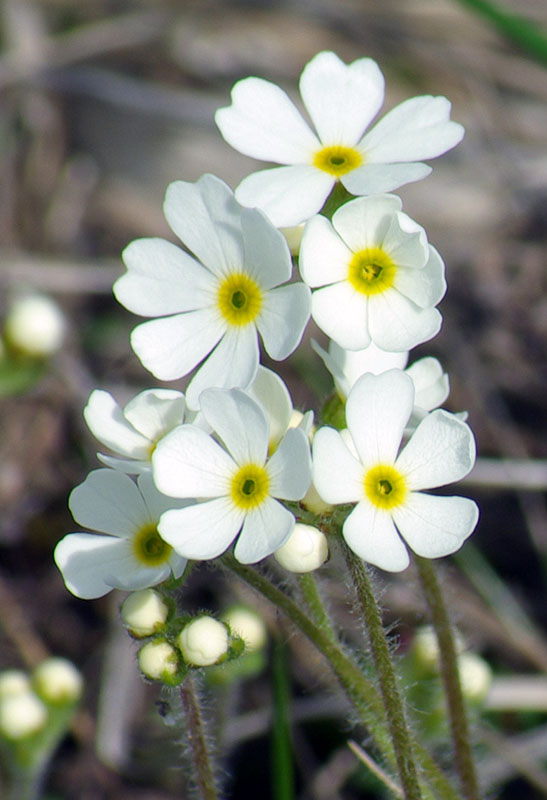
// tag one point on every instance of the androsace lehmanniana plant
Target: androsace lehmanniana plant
(227, 465)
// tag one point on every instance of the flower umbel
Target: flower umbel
(387, 484)
(342, 101)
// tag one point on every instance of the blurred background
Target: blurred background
(102, 104)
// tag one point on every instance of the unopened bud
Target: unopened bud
(158, 660)
(475, 677)
(144, 612)
(35, 326)
(314, 503)
(204, 641)
(305, 550)
(248, 625)
(21, 715)
(13, 681)
(58, 681)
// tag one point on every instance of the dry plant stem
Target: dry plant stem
(362, 693)
(312, 597)
(391, 695)
(459, 725)
(197, 741)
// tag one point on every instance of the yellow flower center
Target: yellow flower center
(250, 486)
(385, 487)
(371, 271)
(239, 299)
(149, 548)
(337, 160)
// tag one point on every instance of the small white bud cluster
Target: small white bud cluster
(305, 550)
(144, 613)
(58, 681)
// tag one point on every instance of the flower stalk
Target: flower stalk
(459, 725)
(197, 741)
(388, 679)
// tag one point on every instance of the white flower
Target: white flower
(217, 300)
(431, 385)
(132, 555)
(376, 277)
(203, 641)
(305, 550)
(35, 325)
(341, 101)
(134, 431)
(272, 395)
(58, 681)
(387, 485)
(237, 481)
(144, 612)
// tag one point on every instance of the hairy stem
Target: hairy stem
(389, 687)
(197, 741)
(314, 602)
(459, 725)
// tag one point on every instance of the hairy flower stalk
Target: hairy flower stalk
(388, 679)
(459, 726)
(197, 741)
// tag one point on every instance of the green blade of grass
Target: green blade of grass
(281, 747)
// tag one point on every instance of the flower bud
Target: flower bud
(475, 677)
(58, 681)
(35, 326)
(21, 715)
(305, 550)
(158, 660)
(314, 503)
(144, 613)
(248, 625)
(293, 235)
(13, 681)
(204, 641)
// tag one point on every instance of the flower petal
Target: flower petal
(342, 313)
(239, 422)
(267, 254)
(206, 218)
(371, 534)
(89, 563)
(380, 178)
(430, 383)
(435, 526)
(364, 222)
(426, 286)
(264, 530)
(377, 410)
(171, 347)
(204, 530)
(162, 279)
(233, 362)
(107, 423)
(441, 451)
(337, 475)
(289, 468)
(264, 123)
(324, 256)
(155, 412)
(287, 195)
(396, 323)
(189, 463)
(406, 242)
(418, 128)
(341, 99)
(273, 397)
(283, 318)
(108, 501)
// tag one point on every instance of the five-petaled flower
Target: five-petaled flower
(234, 479)
(375, 276)
(218, 301)
(342, 101)
(387, 484)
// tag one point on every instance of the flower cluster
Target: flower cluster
(229, 462)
